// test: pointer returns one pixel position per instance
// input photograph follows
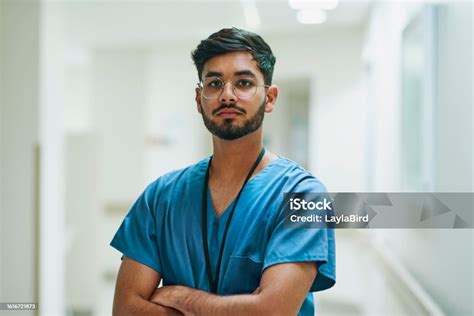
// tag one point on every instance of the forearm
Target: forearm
(197, 302)
(203, 303)
(136, 305)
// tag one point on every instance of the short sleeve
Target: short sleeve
(304, 244)
(136, 237)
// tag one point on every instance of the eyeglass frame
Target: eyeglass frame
(201, 87)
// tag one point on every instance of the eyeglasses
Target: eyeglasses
(243, 88)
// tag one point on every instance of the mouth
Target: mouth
(228, 114)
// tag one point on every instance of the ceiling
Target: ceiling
(114, 22)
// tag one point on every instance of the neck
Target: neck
(232, 158)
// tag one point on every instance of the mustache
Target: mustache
(229, 106)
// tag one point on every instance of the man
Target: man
(214, 231)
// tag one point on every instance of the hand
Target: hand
(170, 296)
(162, 296)
(159, 297)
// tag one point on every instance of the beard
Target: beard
(229, 130)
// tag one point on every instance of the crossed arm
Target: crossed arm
(282, 290)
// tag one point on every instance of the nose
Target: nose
(227, 94)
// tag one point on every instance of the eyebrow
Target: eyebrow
(237, 73)
(213, 74)
(245, 72)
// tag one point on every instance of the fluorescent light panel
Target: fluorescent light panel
(313, 4)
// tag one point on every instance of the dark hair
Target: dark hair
(234, 39)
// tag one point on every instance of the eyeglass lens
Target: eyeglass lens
(243, 88)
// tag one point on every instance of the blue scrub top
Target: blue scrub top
(163, 231)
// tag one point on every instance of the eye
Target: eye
(214, 83)
(245, 83)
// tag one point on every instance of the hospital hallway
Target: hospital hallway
(97, 100)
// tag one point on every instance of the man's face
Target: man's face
(229, 116)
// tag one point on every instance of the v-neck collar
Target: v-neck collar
(249, 184)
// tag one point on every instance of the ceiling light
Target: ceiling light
(313, 4)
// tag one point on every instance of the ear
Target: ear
(198, 100)
(272, 96)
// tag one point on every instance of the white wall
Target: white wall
(83, 269)
(453, 117)
(118, 77)
(176, 135)
(1, 144)
(382, 54)
(51, 135)
(338, 105)
(19, 110)
(286, 128)
(118, 97)
(441, 260)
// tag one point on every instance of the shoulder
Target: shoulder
(177, 179)
(185, 175)
(294, 177)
